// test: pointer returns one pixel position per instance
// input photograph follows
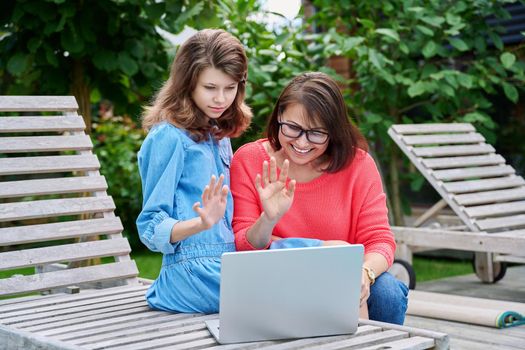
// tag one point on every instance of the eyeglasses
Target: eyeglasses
(293, 131)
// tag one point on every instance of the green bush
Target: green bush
(117, 141)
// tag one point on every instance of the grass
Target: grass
(148, 263)
(428, 269)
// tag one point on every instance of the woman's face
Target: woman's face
(214, 93)
(296, 135)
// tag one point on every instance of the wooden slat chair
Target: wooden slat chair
(474, 181)
(52, 198)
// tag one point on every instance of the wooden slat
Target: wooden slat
(38, 103)
(443, 139)
(37, 124)
(56, 279)
(130, 335)
(469, 241)
(45, 143)
(516, 234)
(66, 252)
(461, 162)
(413, 343)
(61, 230)
(432, 128)
(62, 300)
(355, 342)
(71, 313)
(123, 323)
(106, 309)
(467, 173)
(484, 185)
(496, 209)
(200, 339)
(11, 189)
(54, 207)
(503, 222)
(73, 306)
(48, 164)
(462, 150)
(490, 196)
(109, 314)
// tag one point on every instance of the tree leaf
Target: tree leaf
(105, 60)
(71, 41)
(434, 21)
(373, 57)
(155, 10)
(189, 13)
(269, 68)
(511, 92)
(507, 59)
(366, 23)
(425, 30)
(18, 64)
(266, 52)
(458, 44)
(416, 89)
(496, 40)
(51, 57)
(351, 42)
(389, 33)
(465, 80)
(430, 49)
(127, 64)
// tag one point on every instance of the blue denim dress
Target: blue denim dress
(174, 170)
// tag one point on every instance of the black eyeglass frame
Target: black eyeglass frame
(303, 131)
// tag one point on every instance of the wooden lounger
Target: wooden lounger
(476, 183)
(53, 202)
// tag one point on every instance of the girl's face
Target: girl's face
(214, 93)
(302, 142)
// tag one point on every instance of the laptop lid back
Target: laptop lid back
(290, 293)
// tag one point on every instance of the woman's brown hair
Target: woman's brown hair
(323, 104)
(208, 48)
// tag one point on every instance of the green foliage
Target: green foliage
(275, 57)
(117, 141)
(439, 62)
(109, 48)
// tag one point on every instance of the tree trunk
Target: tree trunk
(82, 92)
(395, 187)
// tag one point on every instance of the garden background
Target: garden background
(397, 61)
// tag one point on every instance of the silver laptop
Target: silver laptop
(288, 293)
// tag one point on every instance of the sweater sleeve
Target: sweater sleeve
(247, 208)
(373, 229)
(161, 160)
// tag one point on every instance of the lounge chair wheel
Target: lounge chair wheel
(499, 268)
(403, 271)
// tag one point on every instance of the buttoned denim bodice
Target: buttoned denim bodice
(175, 170)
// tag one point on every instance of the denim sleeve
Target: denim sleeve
(161, 160)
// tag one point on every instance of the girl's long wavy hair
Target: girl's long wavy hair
(208, 48)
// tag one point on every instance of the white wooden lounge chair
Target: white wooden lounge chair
(484, 192)
(52, 198)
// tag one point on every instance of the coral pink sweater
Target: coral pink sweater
(349, 205)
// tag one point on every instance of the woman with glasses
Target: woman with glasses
(312, 183)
